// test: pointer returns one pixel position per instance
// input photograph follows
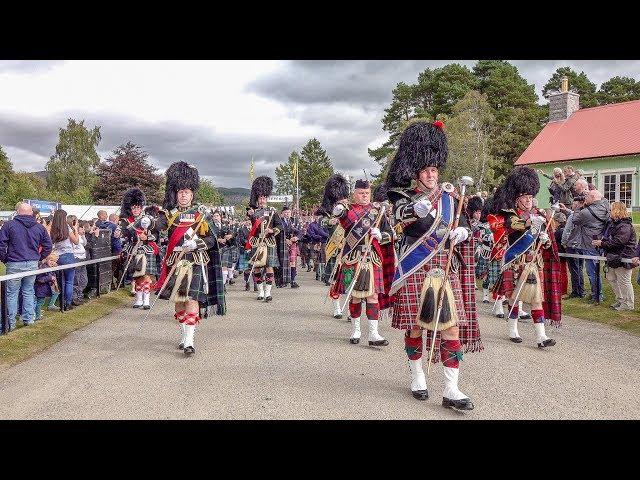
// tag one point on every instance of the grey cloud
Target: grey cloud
(28, 66)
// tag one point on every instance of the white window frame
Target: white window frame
(618, 171)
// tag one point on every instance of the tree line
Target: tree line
(75, 173)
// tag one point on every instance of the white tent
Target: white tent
(88, 212)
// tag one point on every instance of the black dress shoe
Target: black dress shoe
(463, 404)
(420, 394)
(379, 343)
(181, 346)
(516, 339)
(295, 285)
(337, 315)
(354, 341)
(146, 307)
(137, 306)
(268, 299)
(549, 342)
(232, 282)
(500, 315)
(260, 298)
(188, 351)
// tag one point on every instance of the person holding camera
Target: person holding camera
(64, 236)
(619, 244)
(80, 279)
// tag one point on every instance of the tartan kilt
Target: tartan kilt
(235, 254)
(226, 257)
(406, 307)
(341, 287)
(493, 271)
(293, 253)
(196, 288)
(482, 266)
(272, 256)
(243, 260)
(153, 263)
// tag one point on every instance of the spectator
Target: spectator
(581, 188)
(23, 242)
(618, 244)
(570, 240)
(80, 279)
(116, 243)
(558, 224)
(45, 283)
(568, 187)
(64, 237)
(555, 188)
(590, 223)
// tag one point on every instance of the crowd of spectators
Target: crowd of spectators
(30, 241)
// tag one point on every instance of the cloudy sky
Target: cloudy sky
(218, 114)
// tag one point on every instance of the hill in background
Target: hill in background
(235, 196)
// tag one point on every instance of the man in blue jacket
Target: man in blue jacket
(23, 243)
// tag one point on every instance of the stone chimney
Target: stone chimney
(563, 103)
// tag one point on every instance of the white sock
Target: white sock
(418, 380)
(189, 331)
(355, 327)
(451, 390)
(138, 298)
(374, 336)
(540, 333)
(145, 298)
(261, 289)
(183, 331)
(513, 328)
(267, 290)
(224, 277)
(336, 306)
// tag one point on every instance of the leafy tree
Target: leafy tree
(468, 134)
(73, 165)
(315, 169)
(21, 186)
(578, 83)
(208, 194)
(6, 169)
(618, 89)
(127, 167)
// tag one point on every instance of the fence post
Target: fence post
(597, 299)
(3, 308)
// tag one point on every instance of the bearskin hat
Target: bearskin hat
(152, 210)
(422, 144)
(133, 196)
(474, 204)
(261, 186)
(362, 184)
(520, 181)
(335, 189)
(285, 208)
(180, 176)
(380, 193)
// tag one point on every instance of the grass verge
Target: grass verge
(25, 342)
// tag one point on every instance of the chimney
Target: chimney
(564, 103)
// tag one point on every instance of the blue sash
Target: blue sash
(518, 248)
(431, 243)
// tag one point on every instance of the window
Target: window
(589, 178)
(618, 188)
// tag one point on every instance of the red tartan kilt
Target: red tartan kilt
(293, 252)
(564, 279)
(406, 306)
(378, 279)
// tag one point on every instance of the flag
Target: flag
(251, 171)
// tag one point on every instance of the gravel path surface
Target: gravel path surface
(290, 359)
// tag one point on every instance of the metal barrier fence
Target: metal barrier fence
(4, 317)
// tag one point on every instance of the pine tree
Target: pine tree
(315, 169)
(578, 83)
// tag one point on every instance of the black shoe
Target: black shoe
(232, 282)
(337, 315)
(246, 287)
(255, 289)
(420, 394)
(524, 317)
(516, 339)
(260, 298)
(268, 299)
(354, 341)
(485, 301)
(188, 351)
(69, 307)
(463, 404)
(379, 343)
(309, 269)
(137, 306)
(500, 315)
(326, 283)
(146, 307)
(549, 342)
(181, 346)
(295, 285)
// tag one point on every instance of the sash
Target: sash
(429, 244)
(176, 236)
(359, 230)
(138, 231)
(518, 248)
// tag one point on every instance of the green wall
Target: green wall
(597, 166)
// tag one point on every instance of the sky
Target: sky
(217, 115)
